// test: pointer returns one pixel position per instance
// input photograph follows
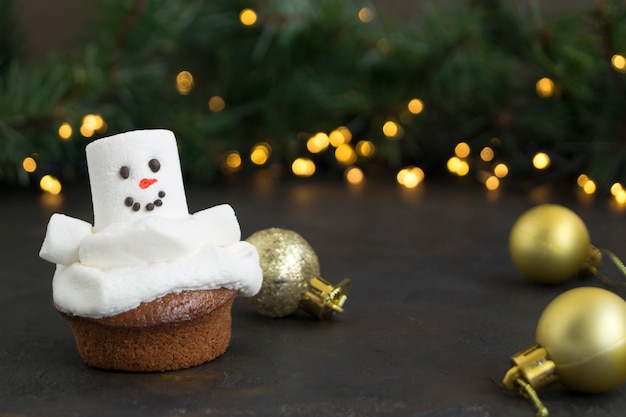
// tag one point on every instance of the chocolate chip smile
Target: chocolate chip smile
(136, 206)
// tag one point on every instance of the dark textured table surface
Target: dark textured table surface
(435, 310)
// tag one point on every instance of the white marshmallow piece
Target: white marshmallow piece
(63, 239)
(135, 174)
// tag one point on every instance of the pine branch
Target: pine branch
(312, 65)
(9, 45)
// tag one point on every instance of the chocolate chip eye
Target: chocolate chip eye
(154, 165)
(124, 172)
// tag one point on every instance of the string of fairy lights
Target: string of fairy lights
(348, 151)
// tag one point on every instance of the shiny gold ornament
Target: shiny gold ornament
(291, 277)
(550, 244)
(581, 342)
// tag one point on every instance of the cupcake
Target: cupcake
(148, 286)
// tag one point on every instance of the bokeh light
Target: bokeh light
(232, 162)
(260, 153)
(492, 183)
(354, 175)
(303, 167)
(618, 193)
(616, 188)
(345, 154)
(545, 87)
(458, 166)
(541, 160)
(383, 46)
(91, 124)
(92, 121)
(340, 136)
(318, 142)
(619, 62)
(416, 106)
(216, 104)
(366, 15)
(184, 82)
(29, 164)
(65, 131)
(248, 17)
(501, 170)
(365, 148)
(462, 150)
(391, 129)
(589, 187)
(50, 184)
(410, 177)
(487, 154)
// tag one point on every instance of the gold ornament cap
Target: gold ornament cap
(533, 366)
(291, 277)
(531, 370)
(322, 299)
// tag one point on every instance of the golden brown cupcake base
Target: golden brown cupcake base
(176, 331)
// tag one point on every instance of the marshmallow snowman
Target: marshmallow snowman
(133, 175)
(143, 243)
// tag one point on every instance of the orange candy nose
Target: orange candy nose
(146, 182)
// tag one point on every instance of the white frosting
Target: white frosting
(129, 257)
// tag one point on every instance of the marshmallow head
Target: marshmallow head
(135, 174)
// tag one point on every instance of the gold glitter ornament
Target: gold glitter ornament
(580, 342)
(291, 277)
(550, 244)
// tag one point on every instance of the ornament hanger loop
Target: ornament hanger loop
(594, 269)
(531, 370)
(528, 391)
